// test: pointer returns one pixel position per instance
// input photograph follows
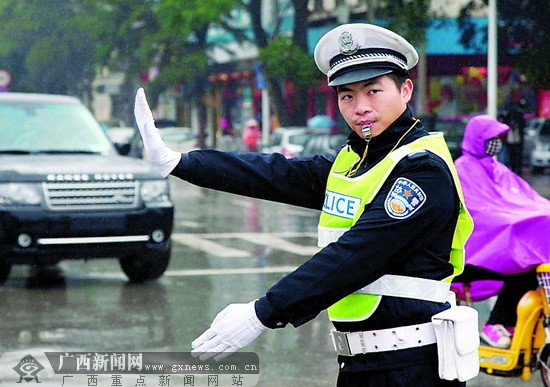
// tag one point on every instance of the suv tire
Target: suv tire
(5, 269)
(145, 266)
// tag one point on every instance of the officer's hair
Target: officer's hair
(398, 77)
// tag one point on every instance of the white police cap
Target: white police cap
(355, 52)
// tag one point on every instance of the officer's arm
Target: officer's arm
(273, 177)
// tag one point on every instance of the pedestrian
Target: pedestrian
(512, 115)
(251, 135)
(390, 204)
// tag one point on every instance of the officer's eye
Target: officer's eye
(345, 97)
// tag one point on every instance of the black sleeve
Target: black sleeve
(377, 244)
(296, 181)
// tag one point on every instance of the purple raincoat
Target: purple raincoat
(511, 220)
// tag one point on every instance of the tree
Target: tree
(286, 58)
(169, 35)
(183, 47)
(122, 31)
(180, 46)
(284, 61)
(46, 46)
(523, 33)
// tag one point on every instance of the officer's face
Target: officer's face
(377, 102)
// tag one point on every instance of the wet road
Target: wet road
(226, 249)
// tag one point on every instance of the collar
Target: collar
(382, 144)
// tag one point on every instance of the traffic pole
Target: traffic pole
(492, 66)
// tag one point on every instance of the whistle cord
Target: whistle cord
(353, 171)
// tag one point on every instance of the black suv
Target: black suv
(67, 193)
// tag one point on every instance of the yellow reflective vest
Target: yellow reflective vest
(346, 198)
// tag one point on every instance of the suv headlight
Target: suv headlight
(18, 194)
(155, 193)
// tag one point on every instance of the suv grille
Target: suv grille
(91, 195)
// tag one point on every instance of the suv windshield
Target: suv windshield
(41, 127)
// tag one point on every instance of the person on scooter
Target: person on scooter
(511, 223)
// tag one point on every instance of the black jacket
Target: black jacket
(377, 244)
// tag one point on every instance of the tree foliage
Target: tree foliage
(276, 50)
(284, 59)
(180, 46)
(46, 46)
(410, 19)
(523, 33)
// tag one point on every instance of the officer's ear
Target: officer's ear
(407, 90)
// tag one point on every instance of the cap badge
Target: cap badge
(348, 43)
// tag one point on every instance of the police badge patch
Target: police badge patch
(404, 199)
(348, 43)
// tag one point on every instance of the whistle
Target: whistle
(365, 130)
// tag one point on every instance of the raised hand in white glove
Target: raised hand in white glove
(233, 328)
(164, 158)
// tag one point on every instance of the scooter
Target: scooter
(529, 349)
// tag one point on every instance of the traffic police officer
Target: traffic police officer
(391, 230)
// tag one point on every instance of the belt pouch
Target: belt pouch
(456, 331)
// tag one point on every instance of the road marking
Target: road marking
(190, 224)
(209, 247)
(241, 270)
(278, 243)
(251, 203)
(188, 272)
(204, 243)
(225, 235)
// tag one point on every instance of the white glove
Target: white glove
(233, 328)
(164, 158)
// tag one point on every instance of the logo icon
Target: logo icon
(348, 43)
(404, 199)
(28, 369)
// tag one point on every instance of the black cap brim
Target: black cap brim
(358, 75)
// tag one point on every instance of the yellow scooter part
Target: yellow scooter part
(526, 340)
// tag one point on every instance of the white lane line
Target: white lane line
(282, 234)
(190, 224)
(242, 270)
(209, 247)
(189, 272)
(296, 211)
(203, 242)
(278, 243)
(300, 212)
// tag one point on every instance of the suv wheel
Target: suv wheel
(146, 266)
(5, 269)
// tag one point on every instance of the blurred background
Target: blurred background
(209, 66)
